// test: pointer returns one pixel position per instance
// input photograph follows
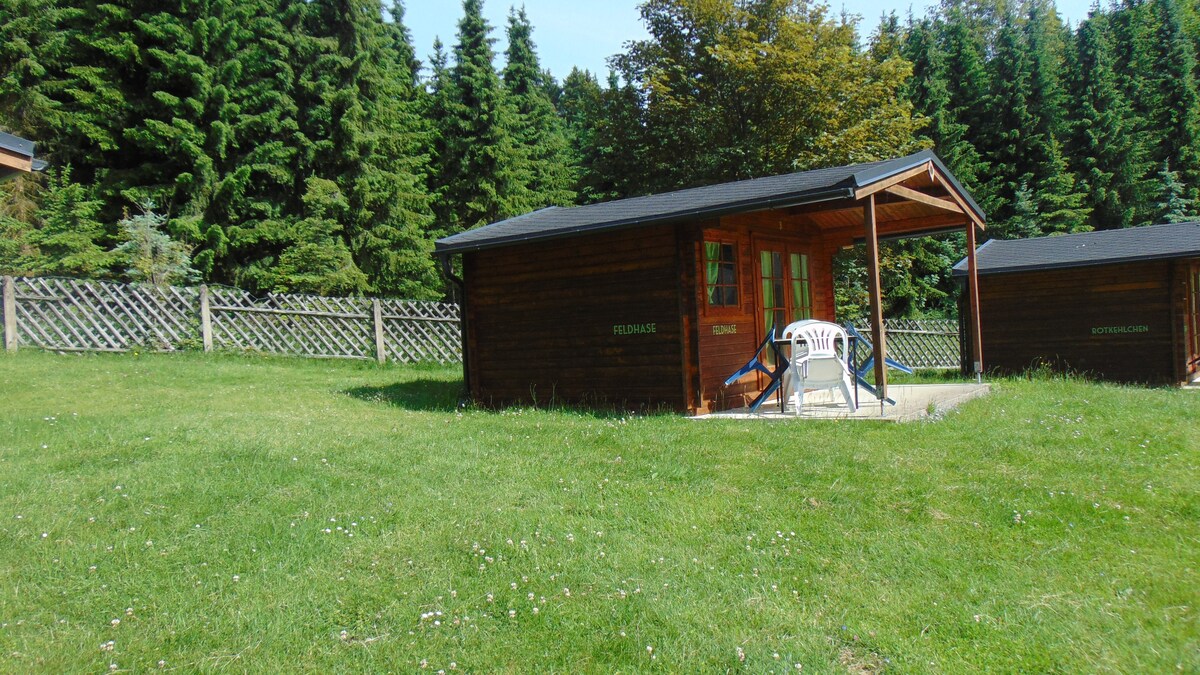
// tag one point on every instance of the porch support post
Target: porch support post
(878, 336)
(973, 303)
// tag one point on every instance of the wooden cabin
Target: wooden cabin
(1120, 305)
(16, 157)
(654, 301)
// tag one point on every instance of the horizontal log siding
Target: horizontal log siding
(721, 354)
(1048, 317)
(540, 321)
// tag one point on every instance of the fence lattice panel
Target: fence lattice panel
(301, 325)
(74, 315)
(918, 343)
(422, 331)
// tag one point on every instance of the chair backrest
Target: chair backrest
(820, 336)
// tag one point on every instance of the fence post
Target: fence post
(380, 352)
(205, 319)
(10, 315)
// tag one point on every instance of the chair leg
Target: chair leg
(799, 389)
(845, 387)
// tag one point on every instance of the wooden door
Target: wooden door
(784, 275)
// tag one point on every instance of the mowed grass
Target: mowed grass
(216, 513)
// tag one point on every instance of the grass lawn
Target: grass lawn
(221, 513)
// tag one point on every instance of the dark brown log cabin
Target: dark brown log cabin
(1121, 305)
(653, 301)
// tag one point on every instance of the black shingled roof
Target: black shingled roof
(757, 194)
(1153, 242)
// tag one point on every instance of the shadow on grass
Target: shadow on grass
(429, 395)
(424, 395)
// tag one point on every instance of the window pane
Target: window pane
(720, 270)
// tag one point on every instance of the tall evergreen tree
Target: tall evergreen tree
(33, 47)
(480, 170)
(1009, 128)
(1106, 153)
(538, 127)
(359, 122)
(929, 91)
(963, 43)
(1176, 117)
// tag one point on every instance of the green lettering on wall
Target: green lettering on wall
(635, 328)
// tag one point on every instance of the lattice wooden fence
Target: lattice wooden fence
(69, 315)
(918, 343)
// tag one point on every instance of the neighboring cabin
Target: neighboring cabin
(1121, 305)
(16, 157)
(654, 301)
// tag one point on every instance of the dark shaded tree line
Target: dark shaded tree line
(289, 145)
(1057, 129)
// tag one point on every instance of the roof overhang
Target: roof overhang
(1011, 269)
(782, 202)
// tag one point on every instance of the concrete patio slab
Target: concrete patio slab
(913, 402)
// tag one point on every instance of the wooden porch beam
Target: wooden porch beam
(887, 228)
(960, 201)
(878, 335)
(973, 303)
(893, 180)
(928, 200)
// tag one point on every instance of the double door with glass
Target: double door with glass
(785, 286)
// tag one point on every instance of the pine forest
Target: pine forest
(310, 146)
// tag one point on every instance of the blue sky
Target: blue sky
(586, 32)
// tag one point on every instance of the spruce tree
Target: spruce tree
(538, 127)
(361, 124)
(68, 237)
(929, 91)
(481, 172)
(257, 197)
(1176, 117)
(967, 86)
(1012, 148)
(1174, 205)
(1106, 154)
(33, 48)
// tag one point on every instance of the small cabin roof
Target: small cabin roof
(16, 156)
(16, 144)
(1103, 247)
(794, 189)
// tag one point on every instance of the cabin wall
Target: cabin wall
(594, 319)
(728, 336)
(1114, 322)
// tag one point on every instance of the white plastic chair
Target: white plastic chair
(820, 366)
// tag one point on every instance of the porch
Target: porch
(914, 402)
